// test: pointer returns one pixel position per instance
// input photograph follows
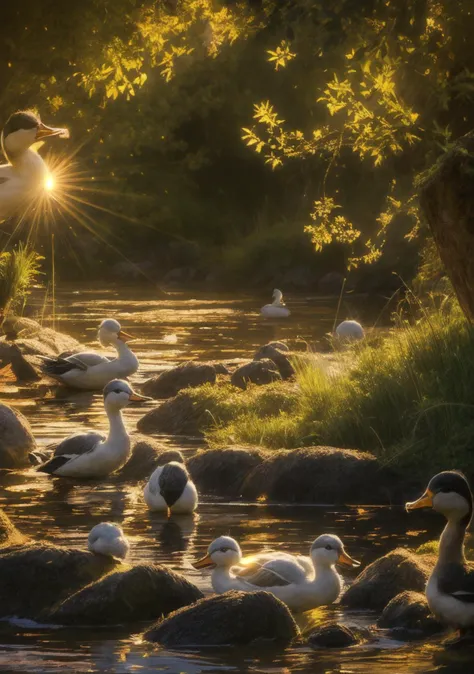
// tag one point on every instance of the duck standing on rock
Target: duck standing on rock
(23, 178)
(108, 539)
(277, 309)
(92, 455)
(91, 371)
(302, 583)
(171, 490)
(450, 588)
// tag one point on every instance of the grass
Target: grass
(19, 270)
(408, 399)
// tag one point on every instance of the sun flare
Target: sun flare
(49, 183)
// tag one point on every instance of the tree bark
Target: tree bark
(447, 201)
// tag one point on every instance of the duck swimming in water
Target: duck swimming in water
(277, 308)
(302, 583)
(450, 588)
(90, 370)
(170, 489)
(25, 175)
(108, 539)
(92, 455)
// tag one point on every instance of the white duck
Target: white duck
(350, 331)
(25, 176)
(90, 370)
(170, 489)
(450, 588)
(108, 539)
(92, 455)
(302, 583)
(277, 308)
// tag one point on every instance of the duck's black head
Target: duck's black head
(23, 120)
(450, 494)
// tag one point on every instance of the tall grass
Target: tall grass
(408, 398)
(19, 270)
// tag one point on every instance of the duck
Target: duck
(91, 454)
(277, 308)
(450, 588)
(91, 371)
(26, 174)
(302, 583)
(171, 490)
(350, 331)
(108, 539)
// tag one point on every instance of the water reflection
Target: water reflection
(172, 331)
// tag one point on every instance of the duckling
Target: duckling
(301, 583)
(108, 539)
(277, 308)
(450, 588)
(170, 489)
(22, 179)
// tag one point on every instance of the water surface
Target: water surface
(182, 327)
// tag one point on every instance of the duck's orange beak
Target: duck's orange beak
(46, 131)
(425, 501)
(347, 560)
(136, 397)
(203, 562)
(124, 336)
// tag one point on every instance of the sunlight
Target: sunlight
(49, 183)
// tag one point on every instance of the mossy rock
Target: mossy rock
(223, 471)
(178, 416)
(146, 454)
(233, 618)
(143, 592)
(16, 438)
(169, 383)
(408, 616)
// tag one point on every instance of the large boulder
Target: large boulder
(146, 454)
(169, 383)
(320, 475)
(277, 356)
(259, 372)
(35, 577)
(387, 577)
(222, 471)
(408, 616)
(33, 339)
(178, 416)
(233, 618)
(143, 592)
(16, 439)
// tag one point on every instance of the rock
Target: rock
(9, 534)
(143, 592)
(222, 471)
(33, 339)
(147, 454)
(302, 277)
(277, 356)
(387, 577)
(220, 368)
(22, 367)
(35, 577)
(408, 616)
(179, 416)
(336, 636)
(169, 383)
(258, 372)
(233, 618)
(331, 284)
(16, 439)
(281, 346)
(320, 475)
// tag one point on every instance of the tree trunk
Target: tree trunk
(447, 200)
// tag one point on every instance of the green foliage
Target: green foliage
(407, 399)
(19, 270)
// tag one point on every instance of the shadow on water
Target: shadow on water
(169, 332)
